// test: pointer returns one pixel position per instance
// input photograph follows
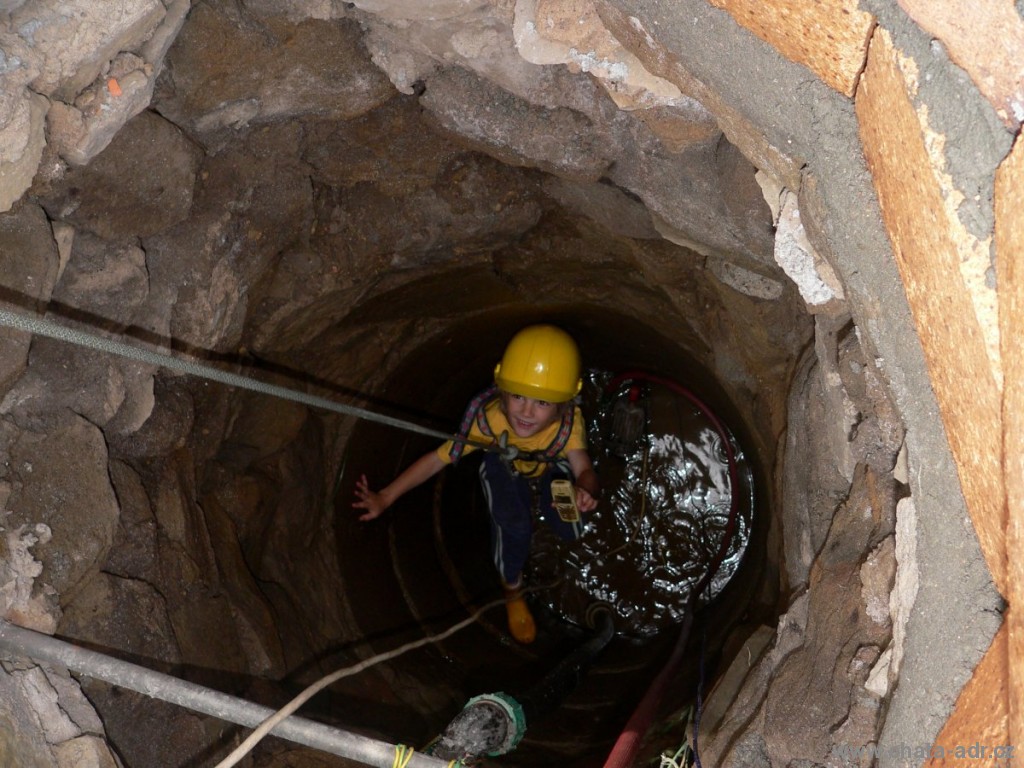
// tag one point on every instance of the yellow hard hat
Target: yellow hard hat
(541, 362)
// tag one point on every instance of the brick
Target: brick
(1009, 237)
(829, 37)
(926, 254)
(979, 715)
(985, 38)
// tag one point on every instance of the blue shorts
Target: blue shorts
(509, 499)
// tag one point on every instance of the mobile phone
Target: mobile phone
(564, 496)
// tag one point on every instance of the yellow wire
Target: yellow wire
(403, 755)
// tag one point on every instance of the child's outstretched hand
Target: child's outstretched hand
(584, 501)
(371, 501)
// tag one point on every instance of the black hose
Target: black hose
(546, 696)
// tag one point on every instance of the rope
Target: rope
(43, 327)
(288, 709)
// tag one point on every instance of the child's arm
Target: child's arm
(375, 502)
(588, 487)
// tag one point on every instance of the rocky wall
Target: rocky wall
(312, 189)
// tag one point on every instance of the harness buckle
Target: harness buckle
(508, 452)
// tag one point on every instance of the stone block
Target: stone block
(142, 182)
(22, 741)
(84, 752)
(61, 479)
(829, 37)
(927, 256)
(41, 698)
(571, 33)
(488, 119)
(28, 270)
(23, 601)
(22, 138)
(224, 73)
(605, 205)
(126, 614)
(814, 277)
(82, 131)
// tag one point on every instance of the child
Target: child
(531, 407)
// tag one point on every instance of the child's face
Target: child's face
(527, 416)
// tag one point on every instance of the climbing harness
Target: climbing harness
(476, 413)
(52, 330)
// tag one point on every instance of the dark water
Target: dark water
(668, 496)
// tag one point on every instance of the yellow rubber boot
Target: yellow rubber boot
(520, 621)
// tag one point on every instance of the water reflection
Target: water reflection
(665, 514)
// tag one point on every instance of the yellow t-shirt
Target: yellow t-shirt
(538, 442)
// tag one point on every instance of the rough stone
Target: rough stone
(813, 276)
(133, 555)
(744, 280)
(512, 130)
(22, 138)
(876, 578)
(391, 147)
(42, 699)
(135, 723)
(264, 273)
(22, 741)
(811, 454)
(72, 701)
(156, 47)
(141, 184)
(60, 479)
(604, 205)
(22, 600)
(96, 389)
(904, 593)
(838, 626)
(263, 426)
(84, 752)
(573, 34)
(228, 71)
(109, 282)
(99, 32)
(694, 211)
(368, 232)
(29, 265)
(78, 133)
(126, 615)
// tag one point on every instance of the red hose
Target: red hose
(624, 751)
